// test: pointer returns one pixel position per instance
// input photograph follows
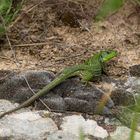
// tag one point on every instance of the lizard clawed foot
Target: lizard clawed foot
(87, 83)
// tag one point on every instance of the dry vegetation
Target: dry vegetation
(52, 34)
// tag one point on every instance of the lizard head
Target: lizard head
(107, 55)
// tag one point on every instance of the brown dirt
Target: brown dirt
(53, 34)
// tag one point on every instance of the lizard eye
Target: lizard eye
(101, 57)
(104, 55)
(108, 52)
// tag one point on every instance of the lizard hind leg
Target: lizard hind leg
(86, 76)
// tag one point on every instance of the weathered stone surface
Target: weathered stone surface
(133, 85)
(135, 70)
(39, 125)
(122, 97)
(61, 135)
(14, 87)
(71, 95)
(76, 123)
(6, 105)
(26, 125)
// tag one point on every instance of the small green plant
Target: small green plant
(138, 1)
(8, 11)
(82, 137)
(109, 7)
(135, 118)
(5, 7)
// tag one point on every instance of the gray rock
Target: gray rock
(124, 92)
(135, 70)
(133, 85)
(14, 87)
(122, 97)
(71, 95)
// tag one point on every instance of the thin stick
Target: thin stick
(35, 93)
(17, 62)
(3, 57)
(34, 44)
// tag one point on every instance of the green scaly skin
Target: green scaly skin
(91, 69)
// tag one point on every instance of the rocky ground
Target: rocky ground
(46, 37)
(72, 107)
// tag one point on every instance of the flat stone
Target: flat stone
(6, 105)
(26, 125)
(61, 135)
(70, 95)
(76, 123)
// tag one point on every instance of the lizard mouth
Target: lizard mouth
(109, 55)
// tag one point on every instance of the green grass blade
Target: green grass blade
(135, 119)
(2, 29)
(5, 6)
(108, 7)
(8, 11)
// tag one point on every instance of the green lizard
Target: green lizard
(91, 69)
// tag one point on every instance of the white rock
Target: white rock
(27, 125)
(31, 126)
(123, 133)
(6, 105)
(30, 116)
(133, 83)
(75, 123)
(61, 135)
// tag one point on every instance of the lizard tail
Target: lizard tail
(66, 73)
